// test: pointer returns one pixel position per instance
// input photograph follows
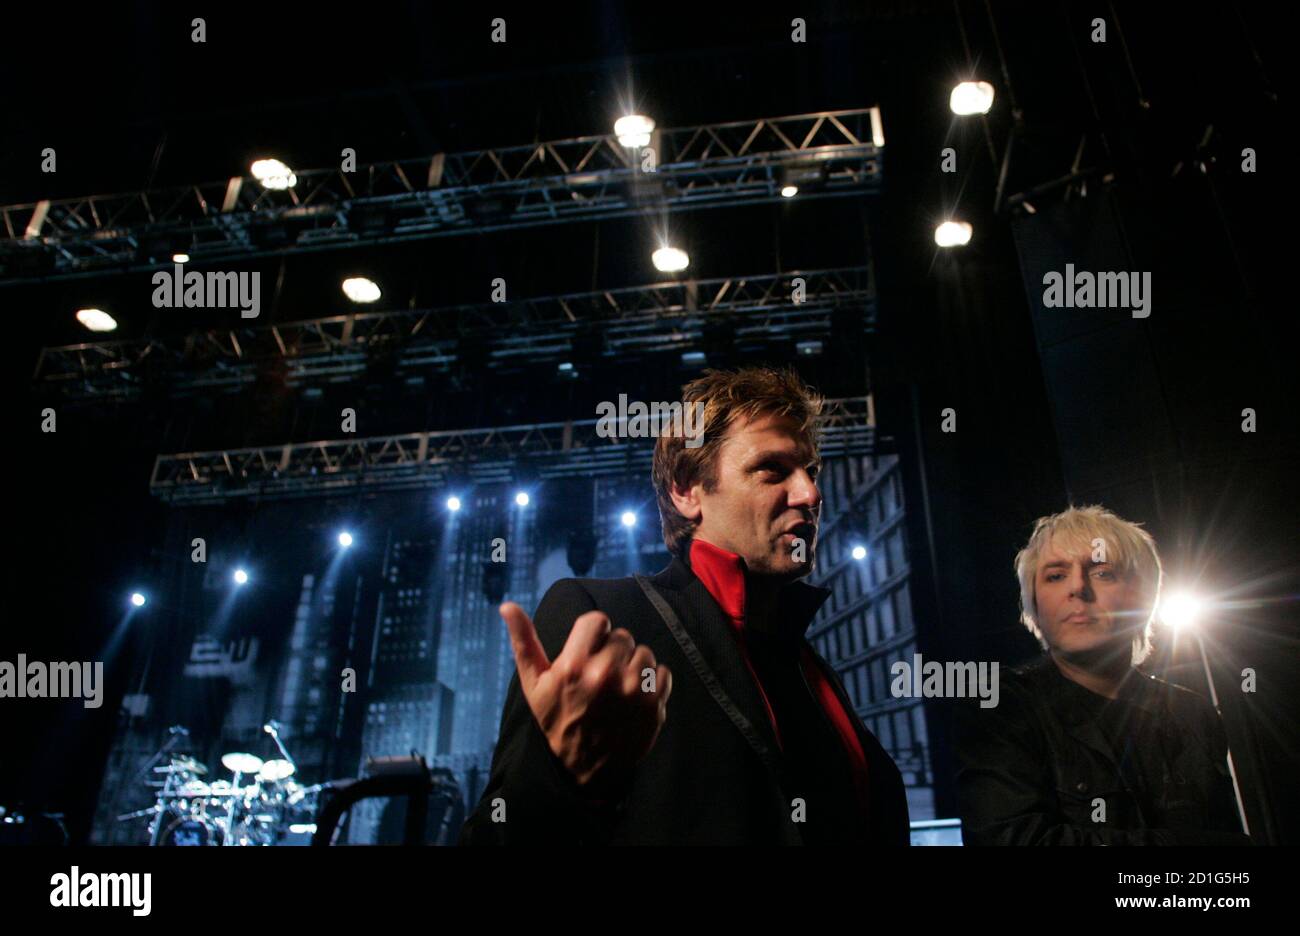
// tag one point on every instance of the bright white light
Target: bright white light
(137, 599)
(634, 130)
(789, 191)
(180, 258)
(953, 234)
(360, 289)
(345, 539)
(453, 504)
(97, 320)
(241, 577)
(670, 259)
(1181, 609)
(629, 518)
(859, 553)
(273, 174)
(521, 499)
(971, 97)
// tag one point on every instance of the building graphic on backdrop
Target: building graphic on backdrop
(408, 710)
(866, 624)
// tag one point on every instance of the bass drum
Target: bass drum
(192, 830)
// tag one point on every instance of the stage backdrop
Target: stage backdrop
(410, 609)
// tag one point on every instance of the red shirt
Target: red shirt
(723, 574)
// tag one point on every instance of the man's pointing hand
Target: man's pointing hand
(589, 701)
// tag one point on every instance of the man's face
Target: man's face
(1086, 606)
(765, 501)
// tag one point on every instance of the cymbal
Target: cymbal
(239, 762)
(278, 769)
(182, 765)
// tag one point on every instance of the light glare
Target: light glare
(670, 259)
(97, 320)
(953, 234)
(634, 130)
(360, 289)
(273, 174)
(1181, 610)
(971, 97)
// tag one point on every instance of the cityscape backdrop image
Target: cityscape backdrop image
(410, 608)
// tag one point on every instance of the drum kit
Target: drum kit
(261, 805)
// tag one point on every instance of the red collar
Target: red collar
(723, 574)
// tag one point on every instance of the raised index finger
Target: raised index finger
(530, 656)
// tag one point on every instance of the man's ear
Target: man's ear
(687, 502)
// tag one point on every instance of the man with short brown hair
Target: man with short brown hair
(688, 707)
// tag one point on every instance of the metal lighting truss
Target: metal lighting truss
(671, 316)
(434, 459)
(743, 162)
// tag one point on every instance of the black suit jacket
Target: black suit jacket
(1032, 768)
(714, 776)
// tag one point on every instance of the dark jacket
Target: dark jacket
(714, 775)
(1032, 768)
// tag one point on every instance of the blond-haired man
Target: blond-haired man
(1084, 749)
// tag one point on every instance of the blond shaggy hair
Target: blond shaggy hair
(1129, 549)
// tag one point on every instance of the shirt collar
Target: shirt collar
(1134, 689)
(723, 574)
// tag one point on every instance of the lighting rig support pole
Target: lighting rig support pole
(1214, 699)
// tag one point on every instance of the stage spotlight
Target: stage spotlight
(1181, 610)
(953, 234)
(180, 258)
(273, 174)
(137, 599)
(859, 553)
(360, 289)
(629, 518)
(345, 539)
(971, 97)
(670, 259)
(453, 504)
(97, 320)
(240, 577)
(521, 499)
(634, 130)
(789, 191)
